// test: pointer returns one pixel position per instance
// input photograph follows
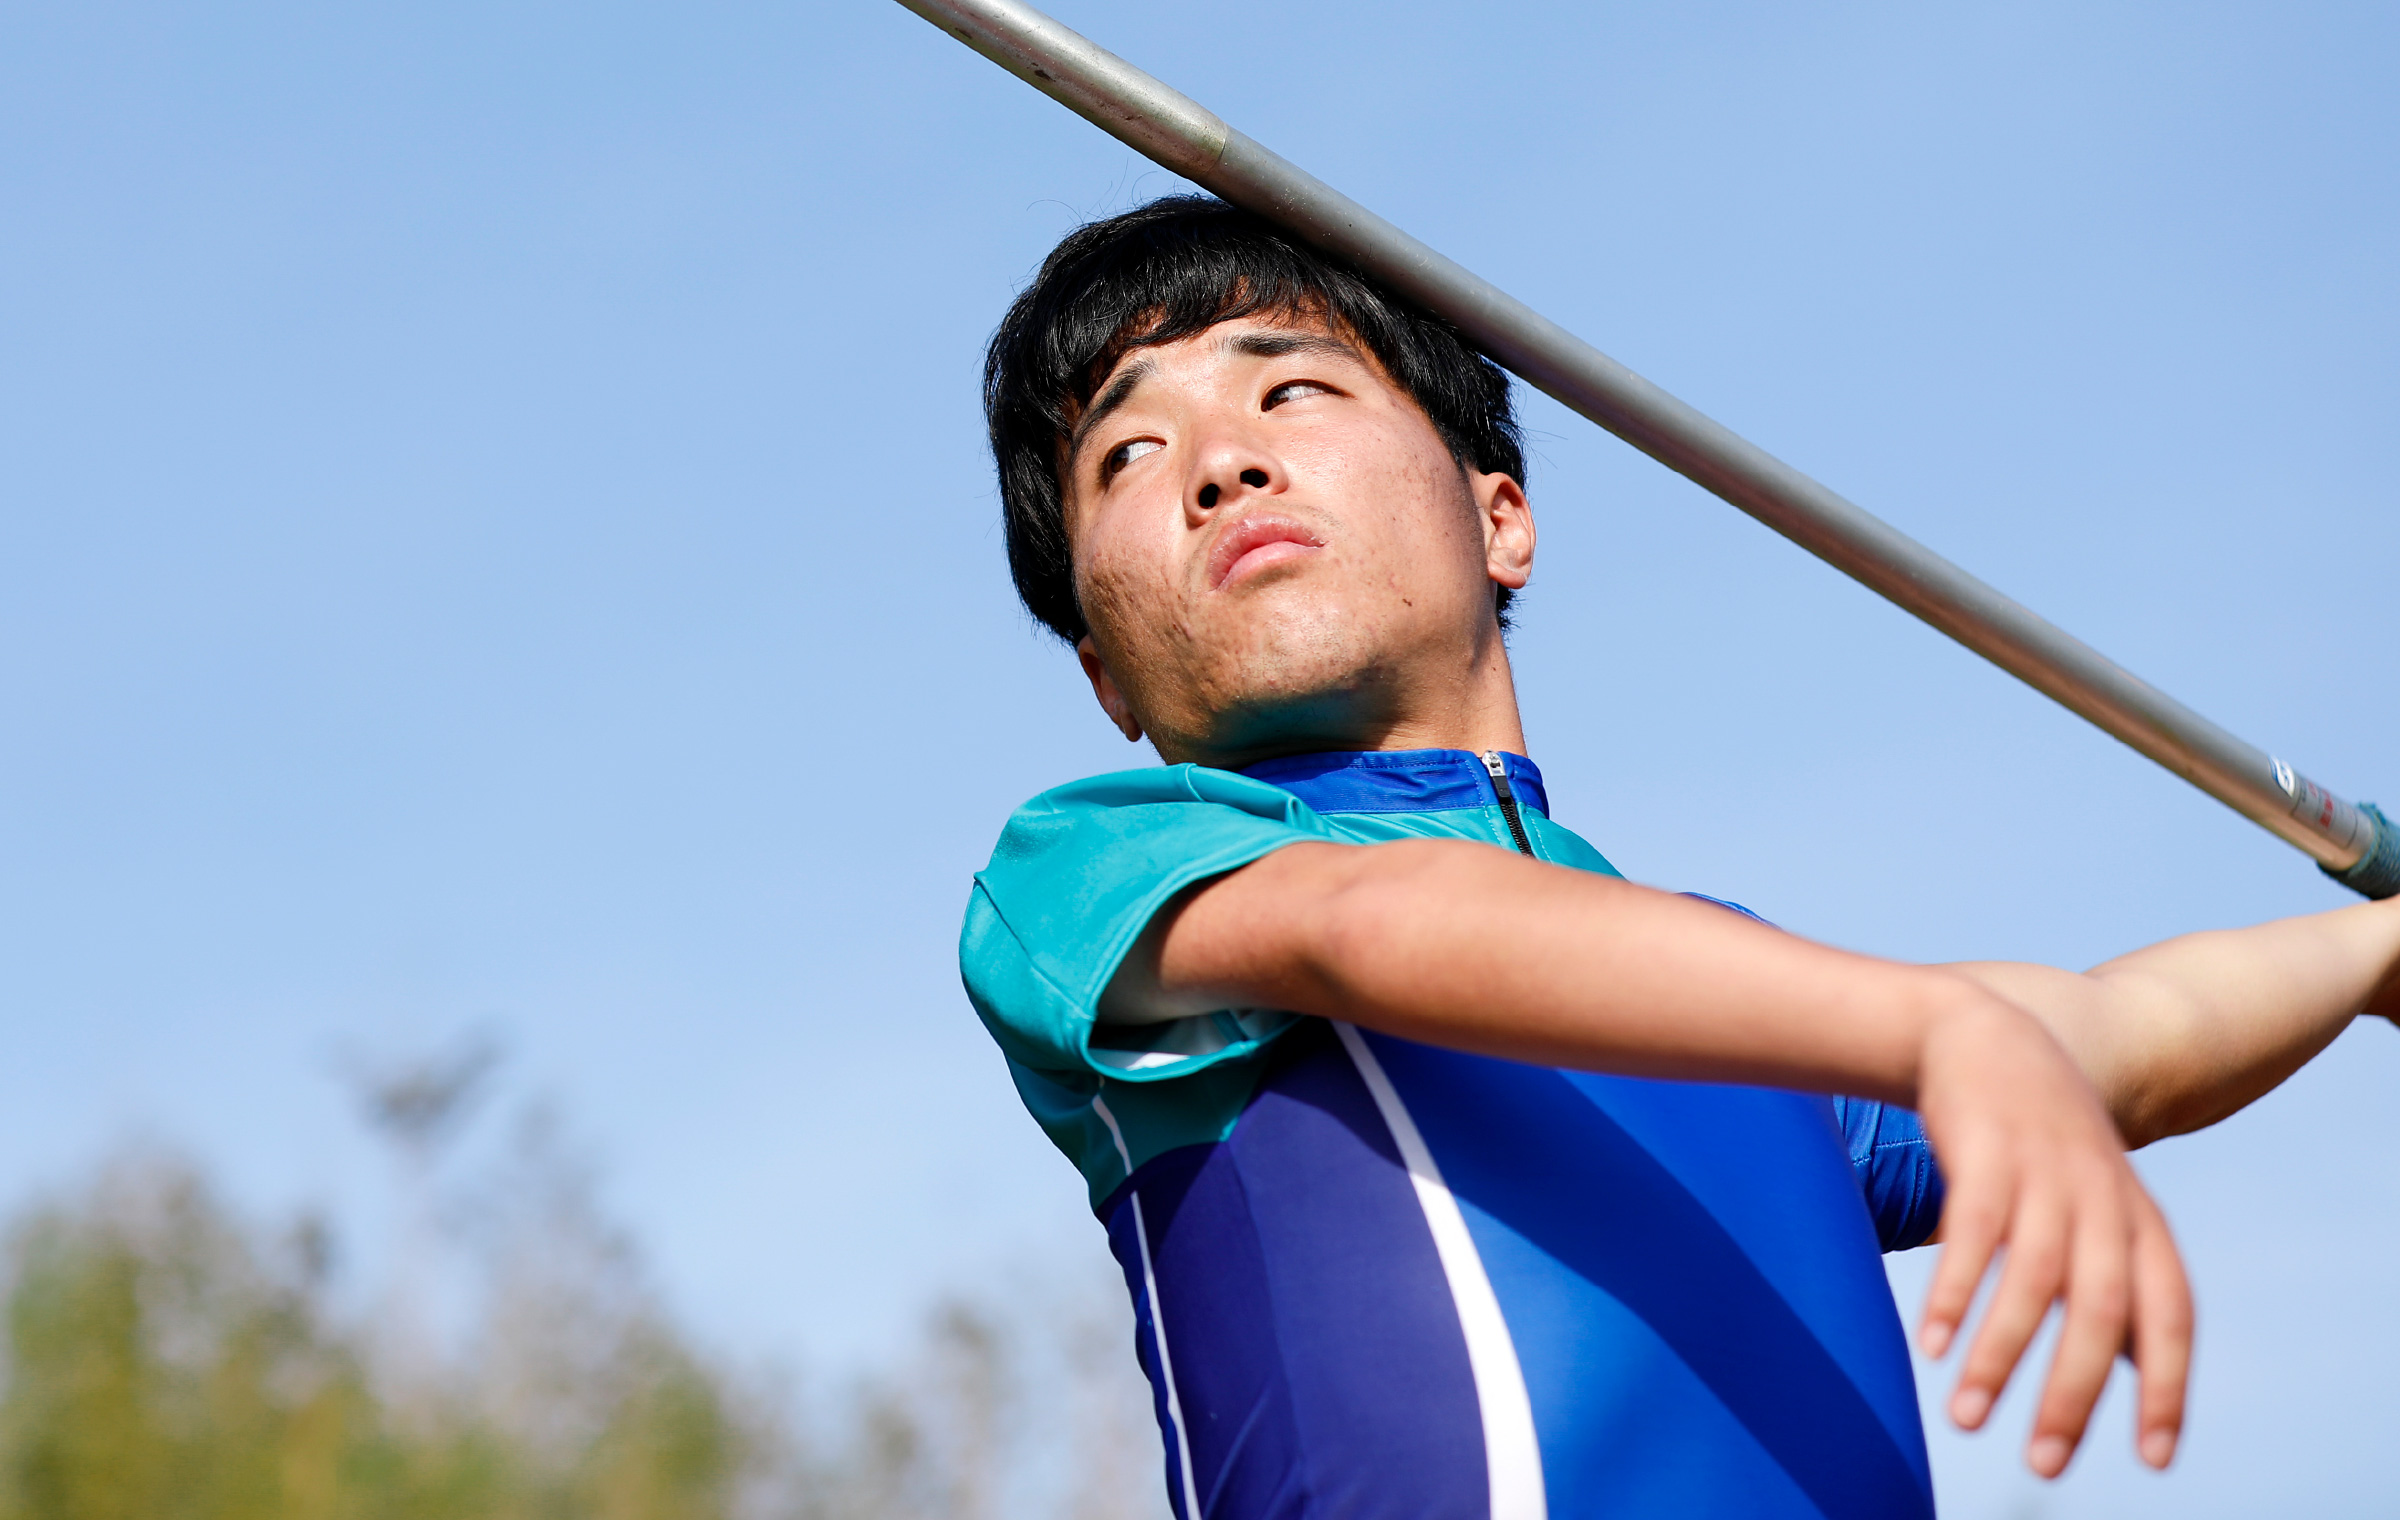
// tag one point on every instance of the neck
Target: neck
(1472, 708)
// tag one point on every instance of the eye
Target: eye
(1293, 390)
(1126, 453)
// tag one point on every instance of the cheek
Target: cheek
(1399, 494)
(1122, 574)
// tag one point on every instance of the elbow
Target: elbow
(2167, 1080)
(2141, 1122)
(2167, 1110)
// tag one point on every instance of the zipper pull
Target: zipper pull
(1499, 769)
(1507, 797)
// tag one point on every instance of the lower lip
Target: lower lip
(1264, 555)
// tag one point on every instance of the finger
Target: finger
(2029, 1284)
(2099, 1295)
(2162, 1334)
(1973, 1221)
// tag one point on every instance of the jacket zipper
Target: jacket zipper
(1508, 800)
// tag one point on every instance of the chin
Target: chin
(1304, 682)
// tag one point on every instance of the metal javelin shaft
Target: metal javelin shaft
(2354, 844)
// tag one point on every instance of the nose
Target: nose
(1254, 478)
(1231, 460)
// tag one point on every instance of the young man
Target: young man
(1453, 1175)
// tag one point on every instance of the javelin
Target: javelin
(2354, 843)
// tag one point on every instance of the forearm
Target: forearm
(2181, 1034)
(1463, 946)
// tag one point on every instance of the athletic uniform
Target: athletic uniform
(1374, 1278)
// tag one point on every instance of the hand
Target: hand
(2033, 1163)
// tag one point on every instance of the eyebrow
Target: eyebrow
(1275, 345)
(1117, 393)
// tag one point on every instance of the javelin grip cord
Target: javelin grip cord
(2377, 873)
(2355, 845)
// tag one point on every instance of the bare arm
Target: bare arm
(2178, 1036)
(1462, 945)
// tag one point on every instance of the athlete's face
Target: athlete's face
(1276, 552)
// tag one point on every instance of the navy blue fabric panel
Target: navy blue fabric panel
(1656, 1248)
(1229, 1371)
(1318, 1358)
(1896, 1169)
(1124, 1242)
(1399, 781)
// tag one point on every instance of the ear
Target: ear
(1507, 519)
(1105, 691)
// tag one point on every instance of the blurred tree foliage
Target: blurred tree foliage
(165, 1363)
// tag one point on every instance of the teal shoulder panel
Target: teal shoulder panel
(1555, 841)
(1078, 873)
(1483, 825)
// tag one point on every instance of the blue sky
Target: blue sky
(493, 533)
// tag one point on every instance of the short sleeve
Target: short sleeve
(1896, 1170)
(1077, 875)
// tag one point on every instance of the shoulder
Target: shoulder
(1177, 788)
(1078, 872)
(1137, 821)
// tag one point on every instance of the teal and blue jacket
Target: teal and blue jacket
(1375, 1278)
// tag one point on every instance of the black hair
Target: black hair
(1165, 271)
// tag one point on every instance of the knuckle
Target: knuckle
(2104, 1284)
(1980, 1216)
(2106, 1320)
(2041, 1261)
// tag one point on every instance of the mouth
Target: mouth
(1256, 543)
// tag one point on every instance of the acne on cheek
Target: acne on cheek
(1131, 628)
(1102, 602)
